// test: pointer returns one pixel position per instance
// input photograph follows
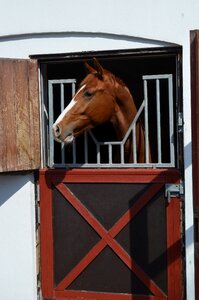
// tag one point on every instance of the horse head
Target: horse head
(101, 98)
(92, 105)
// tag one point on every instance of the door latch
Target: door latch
(173, 190)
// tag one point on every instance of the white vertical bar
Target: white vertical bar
(110, 154)
(51, 121)
(74, 141)
(134, 143)
(146, 122)
(122, 153)
(73, 89)
(98, 153)
(188, 179)
(171, 121)
(158, 121)
(62, 108)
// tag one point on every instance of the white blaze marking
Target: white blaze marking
(61, 116)
(69, 106)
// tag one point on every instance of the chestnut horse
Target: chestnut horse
(101, 98)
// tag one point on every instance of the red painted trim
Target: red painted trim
(108, 236)
(83, 295)
(46, 236)
(151, 176)
(135, 208)
(174, 250)
(113, 175)
(89, 257)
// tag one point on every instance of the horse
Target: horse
(102, 97)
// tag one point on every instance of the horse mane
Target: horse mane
(120, 81)
(116, 78)
(121, 87)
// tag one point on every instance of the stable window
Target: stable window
(153, 78)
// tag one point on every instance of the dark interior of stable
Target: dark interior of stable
(130, 67)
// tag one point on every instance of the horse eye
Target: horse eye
(88, 94)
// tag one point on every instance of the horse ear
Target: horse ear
(89, 68)
(98, 68)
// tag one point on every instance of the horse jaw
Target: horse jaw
(72, 130)
(69, 139)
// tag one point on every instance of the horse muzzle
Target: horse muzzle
(62, 138)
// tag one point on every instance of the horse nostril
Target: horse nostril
(57, 130)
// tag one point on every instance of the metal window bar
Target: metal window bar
(157, 79)
(159, 142)
(171, 121)
(131, 131)
(122, 154)
(51, 83)
(146, 122)
(62, 108)
(51, 121)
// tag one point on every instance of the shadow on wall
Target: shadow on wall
(11, 184)
(188, 155)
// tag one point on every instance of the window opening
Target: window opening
(152, 80)
(61, 91)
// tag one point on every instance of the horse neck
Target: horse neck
(125, 110)
(124, 115)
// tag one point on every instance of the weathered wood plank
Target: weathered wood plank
(20, 94)
(3, 159)
(19, 116)
(8, 136)
(34, 111)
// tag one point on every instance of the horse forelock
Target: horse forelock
(107, 75)
(88, 80)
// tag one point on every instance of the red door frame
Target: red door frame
(156, 176)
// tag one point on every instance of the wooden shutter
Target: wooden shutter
(19, 115)
(195, 143)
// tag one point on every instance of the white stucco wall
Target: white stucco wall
(158, 20)
(47, 26)
(17, 238)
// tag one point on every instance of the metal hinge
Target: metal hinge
(37, 202)
(180, 121)
(173, 190)
(39, 294)
(38, 214)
